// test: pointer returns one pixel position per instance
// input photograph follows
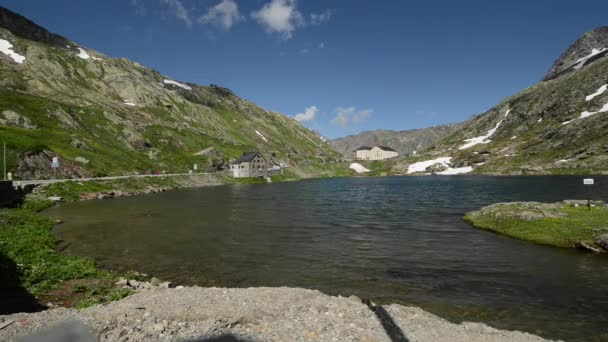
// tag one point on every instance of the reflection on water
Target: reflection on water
(398, 239)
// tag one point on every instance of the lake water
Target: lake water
(391, 239)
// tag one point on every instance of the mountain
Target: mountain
(107, 116)
(404, 142)
(557, 126)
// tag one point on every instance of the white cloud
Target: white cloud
(322, 45)
(308, 115)
(350, 115)
(180, 11)
(304, 51)
(140, 8)
(224, 15)
(280, 16)
(320, 18)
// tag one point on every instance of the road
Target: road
(51, 181)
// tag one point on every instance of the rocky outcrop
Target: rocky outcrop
(253, 314)
(596, 39)
(37, 165)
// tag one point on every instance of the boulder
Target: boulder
(602, 241)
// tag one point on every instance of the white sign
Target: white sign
(55, 160)
(588, 181)
(195, 167)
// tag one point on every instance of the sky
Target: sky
(338, 66)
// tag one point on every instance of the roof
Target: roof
(246, 157)
(386, 148)
(361, 148)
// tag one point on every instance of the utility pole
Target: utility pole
(4, 158)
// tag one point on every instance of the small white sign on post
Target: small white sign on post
(588, 181)
(195, 167)
(55, 163)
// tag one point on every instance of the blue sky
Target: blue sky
(344, 65)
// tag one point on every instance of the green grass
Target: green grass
(577, 226)
(26, 241)
(25, 238)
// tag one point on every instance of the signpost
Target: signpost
(55, 165)
(195, 167)
(588, 181)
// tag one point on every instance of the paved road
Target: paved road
(51, 181)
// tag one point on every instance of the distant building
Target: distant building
(375, 153)
(250, 164)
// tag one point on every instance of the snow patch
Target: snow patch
(358, 168)
(260, 134)
(83, 54)
(421, 166)
(456, 171)
(514, 137)
(540, 120)
(7, 48)
(128, 103)
(581, 61)
(445, 161)
(562, 161)
(587, 114)
(177, 84)
(597, 93)
(484, 138)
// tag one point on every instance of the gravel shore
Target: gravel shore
(253, 314)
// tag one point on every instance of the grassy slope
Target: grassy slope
(70, 99)
(577, 226)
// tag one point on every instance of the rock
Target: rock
(585, 246)
(602, 241)
(58, 221)
(166, 284)
(133, 283)
(81, 160)
(435, 168)
(86, 196)
(155, 281)
(121, 282)
(10, 118)
(55, 198)
(158, 327)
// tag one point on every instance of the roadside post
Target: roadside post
(588, 182)
(195, 167)
(4, 158)
(54, 166)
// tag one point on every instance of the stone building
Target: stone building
(250, 164)
(375, 153)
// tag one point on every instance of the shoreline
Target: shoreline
(251, 314)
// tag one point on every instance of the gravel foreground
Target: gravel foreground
(253, 314)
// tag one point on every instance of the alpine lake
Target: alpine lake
(390, 239)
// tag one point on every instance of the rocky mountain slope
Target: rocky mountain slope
(405, 142)
(557, 126)
(108, 116)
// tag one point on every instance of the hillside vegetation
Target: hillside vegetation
(108, 116)
(557, 126)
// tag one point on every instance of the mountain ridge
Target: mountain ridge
(405, 141)
(107, 116)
